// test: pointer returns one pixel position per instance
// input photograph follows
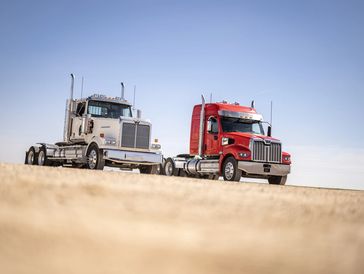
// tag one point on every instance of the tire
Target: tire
(277, 180)
(31, 157)
(230, 170)
(94, 158)
(150, 169)
(42, 159)
(169, 168)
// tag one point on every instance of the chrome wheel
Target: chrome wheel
(168, 168)
(229, 171)
(30, 158)
(41, 158)
(92, 159)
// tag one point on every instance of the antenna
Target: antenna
(271, 113)
(82, 87)
(210, 97)
(134, 96)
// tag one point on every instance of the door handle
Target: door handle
(215, 137)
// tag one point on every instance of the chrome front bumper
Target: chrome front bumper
(135, 157)
(264, 169)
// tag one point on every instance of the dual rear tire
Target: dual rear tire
(31, 157)
(37, 158)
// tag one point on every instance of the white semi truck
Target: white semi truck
(101, 131)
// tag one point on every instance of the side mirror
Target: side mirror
(209, 126)
(85, 123)
(139, 114)
(269, 131)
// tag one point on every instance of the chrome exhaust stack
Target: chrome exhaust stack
(202, 124)
(67, 119)
(252, 104)
(122, 91)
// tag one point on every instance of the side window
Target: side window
(80, 109)
(212, 125)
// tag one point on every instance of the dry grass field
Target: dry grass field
(59, 220)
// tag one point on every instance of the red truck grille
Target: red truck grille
(263, 151)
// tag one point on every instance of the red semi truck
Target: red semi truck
(228, 140)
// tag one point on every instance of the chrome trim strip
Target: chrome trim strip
(129, 156)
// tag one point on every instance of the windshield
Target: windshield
(108, 110)
(241, 125)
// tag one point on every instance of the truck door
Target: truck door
(212, 137)
(77, 120)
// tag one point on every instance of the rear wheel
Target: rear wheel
(95, 158)
(169, 169)
(42, 158)
(230, 170)
(277, 180)
(150, 169)
(31, 157)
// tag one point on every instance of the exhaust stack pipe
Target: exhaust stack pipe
(67, 119)
(253, 104)
(72, 85)
(122, 91)
(202, 123)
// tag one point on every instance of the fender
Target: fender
(95, 139)
(233, 150)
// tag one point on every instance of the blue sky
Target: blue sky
(306, 56)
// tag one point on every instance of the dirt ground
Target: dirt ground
(59, 220)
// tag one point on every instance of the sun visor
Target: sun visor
(241, 115)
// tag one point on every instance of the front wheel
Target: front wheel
(277, 180)
(95, 158)
(230, 170)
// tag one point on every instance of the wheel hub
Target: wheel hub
(41, 158)
(30, 157)
(169, 169)
(229, 171)
(92, 159)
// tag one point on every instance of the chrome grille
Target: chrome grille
(135, 135)
(270, 152)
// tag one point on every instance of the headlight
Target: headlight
(244, 154)
(110, 141)
(287, 158)
(156, 146)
